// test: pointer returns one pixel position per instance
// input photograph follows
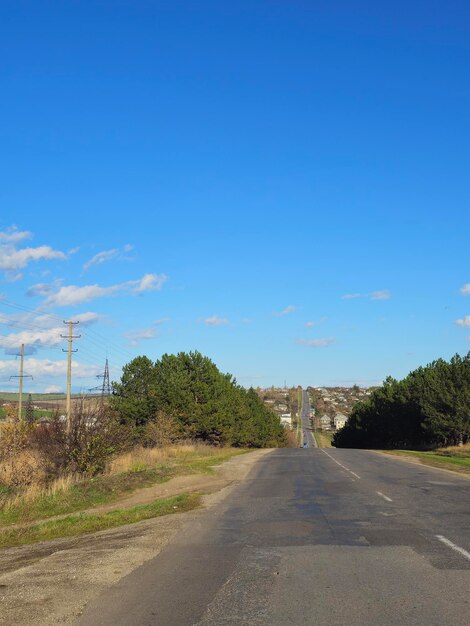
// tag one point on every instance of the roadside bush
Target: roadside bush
(95, 437)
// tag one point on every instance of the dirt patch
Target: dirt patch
(51, 582)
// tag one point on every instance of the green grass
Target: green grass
(38, 413)
(105, 489)
(323, 438)
(81, 524)
(447, 460)
(83, 495)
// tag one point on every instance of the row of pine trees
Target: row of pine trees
(201, 402)
(428, 408)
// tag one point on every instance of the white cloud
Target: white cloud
(39, 331)
(464, 322)
(383, 294)
(12, 259)
(136, 335)
(465, 290)
(13, 235)
(316, 343)
(31, 338)
(42, 369)
(72, 295)
(216, 321)
(149, 282)
(310, 324)
(43, 289)
(87, 318)
(53, 389)
(380, 295)
(107, 255)
(289, 309)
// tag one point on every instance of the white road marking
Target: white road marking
(382, 495)
(455, 547)
(340, 464)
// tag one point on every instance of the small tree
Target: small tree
(162, 431)
(29, 412)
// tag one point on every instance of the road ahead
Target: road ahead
(324, 537)
(308, 438)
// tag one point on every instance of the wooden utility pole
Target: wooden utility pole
(70, 337)
(20, 396)
(21, 376)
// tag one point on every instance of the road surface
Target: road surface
(308, 438)
(325, 537)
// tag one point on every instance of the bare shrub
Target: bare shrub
(162, 431)
(95, 436)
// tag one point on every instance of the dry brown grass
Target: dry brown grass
(455, 450)
(38, 490)
(140, 457)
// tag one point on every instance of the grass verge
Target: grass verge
(134, 470)
(81, 524)
(443, 458)
(323, 439)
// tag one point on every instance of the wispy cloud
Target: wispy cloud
(136, 335)
(380, 295)
(13, 258)
(12, 235)
(383, 294)
(87, 318)
(310, 324)
(316, 343)
(108, 255)
(72, 295)
(43, 289)
(289, 309)
(464, 322)
(465, 290)
(215, 320)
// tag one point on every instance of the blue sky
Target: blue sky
(218, 176)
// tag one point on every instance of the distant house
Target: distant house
(339, 420)
(325, 422)
(286, 420)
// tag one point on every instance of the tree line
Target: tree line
(186, 395)
(428, 408)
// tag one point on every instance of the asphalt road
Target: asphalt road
(313, 536)
(308, 438)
